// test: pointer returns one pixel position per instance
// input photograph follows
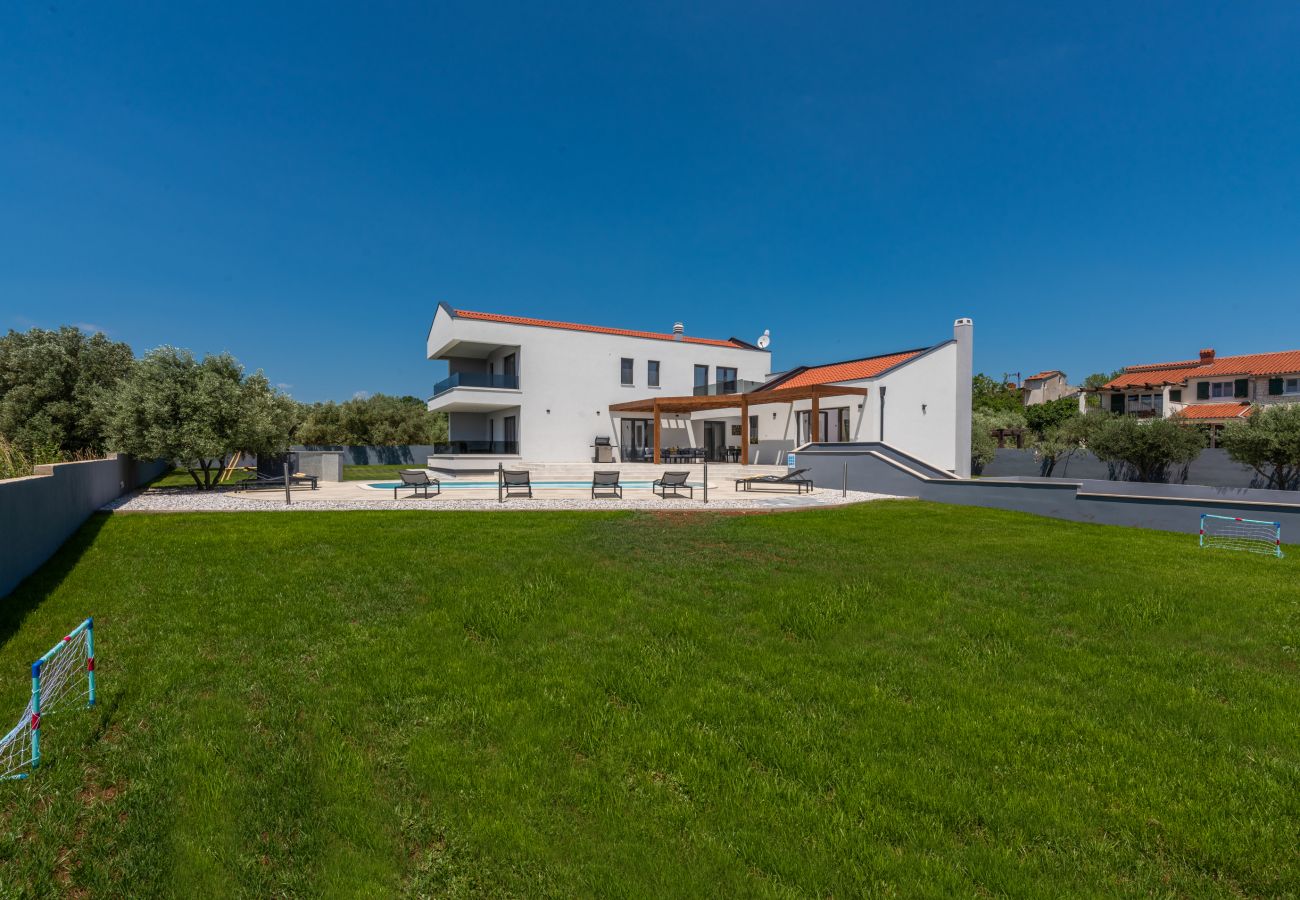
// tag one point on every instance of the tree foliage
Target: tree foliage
(1046, 417)
(990, 394)
(1096, 380)
(1269, 442)
(380, 420)
(196, 413)
(52, 384)
(983, 423)
(1143, 449)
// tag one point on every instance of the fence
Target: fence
(881, 469)
(1213, 468)
(40, 512)
(399, 455)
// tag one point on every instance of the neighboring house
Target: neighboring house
(1045, 387)
(1211, 389)
(535, 390)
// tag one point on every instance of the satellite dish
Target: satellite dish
(764, 339)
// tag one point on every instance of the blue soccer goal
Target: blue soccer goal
(62, 677)
(1233, 533)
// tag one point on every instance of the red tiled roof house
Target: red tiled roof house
(1211, 389)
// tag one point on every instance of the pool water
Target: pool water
(556, 485)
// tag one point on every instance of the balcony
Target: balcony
(475, 380)
(478, 448)
(723, 388)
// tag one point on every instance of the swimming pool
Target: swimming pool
(552, 485)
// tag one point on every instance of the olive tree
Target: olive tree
(1143, 449)
(52, 387)
(198, 414)
(1269, 442)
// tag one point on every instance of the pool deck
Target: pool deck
(358, 495)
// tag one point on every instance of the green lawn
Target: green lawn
(375, 473)
(893, 699)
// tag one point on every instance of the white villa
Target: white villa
(523, 390)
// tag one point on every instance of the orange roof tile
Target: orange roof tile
(845, 371)
(1214, 411)
(1258, 364)
(571, 326)
(1048, 374)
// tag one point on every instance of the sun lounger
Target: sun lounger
(607, 484)
(516, 483)
(794, 479)
(417, 480)
(673, 481)
(258, 480)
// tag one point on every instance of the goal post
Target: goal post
(1236, 533)
(56, 682)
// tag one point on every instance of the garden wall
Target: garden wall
(1213, 467)
(403, 454)
(1166, 507)
(39, 513)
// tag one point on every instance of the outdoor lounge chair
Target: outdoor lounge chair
(794, 478)
(606, 482)
(259, 480)
(674, 481)
(516, 483)
(417, 480)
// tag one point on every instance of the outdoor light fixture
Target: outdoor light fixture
(922, 409)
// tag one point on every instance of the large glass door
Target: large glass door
(715, 441)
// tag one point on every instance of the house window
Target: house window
(1291, 386)
(753, 429)
(627, 371)
(1175, 396)
(726, 380)
(701, 380)
(652, 373)
(1221, 389)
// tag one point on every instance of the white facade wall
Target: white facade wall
(568, 379)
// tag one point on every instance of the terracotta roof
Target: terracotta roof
(1214, 411)
(843, 371)
(1258, 364)
(597, 329)
(1045, 375)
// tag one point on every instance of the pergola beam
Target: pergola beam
(734, 401)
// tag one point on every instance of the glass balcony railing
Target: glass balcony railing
(481, 447)
(475, 380)
(722, 388)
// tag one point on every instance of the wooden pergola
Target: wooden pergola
(660, 405)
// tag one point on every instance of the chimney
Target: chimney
(963, 332)
(678, 330)
(1207, 356)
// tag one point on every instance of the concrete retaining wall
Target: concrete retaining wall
(39, 513)
(1166, 507)
(1212, 467)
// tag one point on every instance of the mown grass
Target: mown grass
(893, 699)
(375, 473)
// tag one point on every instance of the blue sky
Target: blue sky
(1095, 184)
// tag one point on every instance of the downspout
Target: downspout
(882, 414)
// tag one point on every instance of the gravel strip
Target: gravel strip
(194, 501)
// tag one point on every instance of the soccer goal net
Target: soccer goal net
(1253, 535)
(65, 676)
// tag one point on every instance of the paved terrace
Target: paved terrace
(456, 495)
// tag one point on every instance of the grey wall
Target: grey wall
(39, 513)
(1212, 467)
(327, 465)
(405, 454)
(1164, 507)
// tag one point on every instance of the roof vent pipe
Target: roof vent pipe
(678, 330)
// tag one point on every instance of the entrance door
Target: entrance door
(802, 427)
(715, 441)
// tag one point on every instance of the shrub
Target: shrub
(1268, 442)
(1046, 417)
(983, 422)
(1142, 449)
(378, 421)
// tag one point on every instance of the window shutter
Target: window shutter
(1274, 386)
(1202, 390)
(1176, 396)
(1117, 403)
(1241, 387)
